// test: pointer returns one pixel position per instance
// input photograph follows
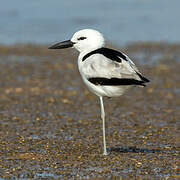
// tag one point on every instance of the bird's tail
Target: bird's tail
(143, 79)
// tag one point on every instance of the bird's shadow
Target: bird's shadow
(133, 150)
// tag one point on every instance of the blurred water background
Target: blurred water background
(122, 22)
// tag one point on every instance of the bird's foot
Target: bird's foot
(106, 153)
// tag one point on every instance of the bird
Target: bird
(106, 72)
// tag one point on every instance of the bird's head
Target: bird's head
(83, 40)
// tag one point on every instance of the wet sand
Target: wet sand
(50, 124)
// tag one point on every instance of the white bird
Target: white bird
(106, 72)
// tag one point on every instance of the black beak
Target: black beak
(62, 45)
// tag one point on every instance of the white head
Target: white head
(85, 40)
(88, 40)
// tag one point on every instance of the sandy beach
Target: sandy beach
(50, 125)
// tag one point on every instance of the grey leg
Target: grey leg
(104, 128)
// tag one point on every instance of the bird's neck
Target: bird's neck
(86, 51)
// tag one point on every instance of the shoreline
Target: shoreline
(50, 125)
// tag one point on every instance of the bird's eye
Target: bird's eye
(81, 38)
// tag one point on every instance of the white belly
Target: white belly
(109, 91)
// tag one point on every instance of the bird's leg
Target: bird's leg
(104, 128)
